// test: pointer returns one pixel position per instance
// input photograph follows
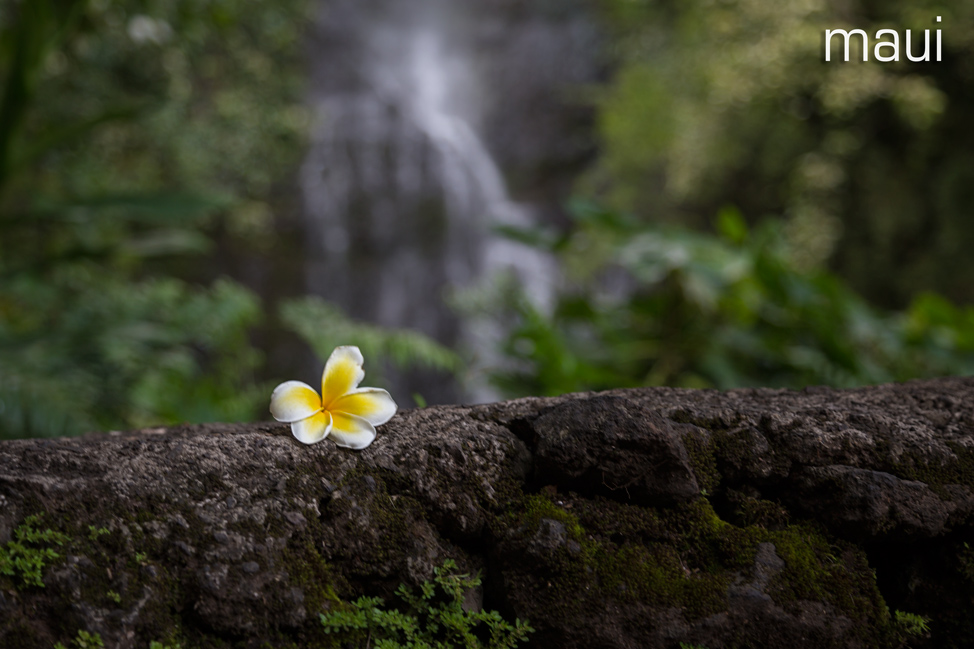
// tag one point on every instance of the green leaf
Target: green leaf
(324, 326)
(731, 225)
(60, 136)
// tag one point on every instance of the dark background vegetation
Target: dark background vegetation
(752, 215)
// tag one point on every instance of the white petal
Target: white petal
(351, 431)
(343, 372)
(313, 429)
(294, 401)
(373, 404)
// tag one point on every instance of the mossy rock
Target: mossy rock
(801, 519)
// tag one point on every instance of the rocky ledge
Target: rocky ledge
(625, 519)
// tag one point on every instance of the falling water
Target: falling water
(401, 192)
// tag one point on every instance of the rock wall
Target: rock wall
(624, 519)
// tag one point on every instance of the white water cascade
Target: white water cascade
(401, 193)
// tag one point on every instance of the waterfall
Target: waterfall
(401, 191)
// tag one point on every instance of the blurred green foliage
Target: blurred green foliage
(93, 333)
(324, 326)
(132, 133)
(855, 178)
(870, 165)
(141, 138)
(661, 305)
(213, 91)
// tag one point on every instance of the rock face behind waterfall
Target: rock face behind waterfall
(626, 519)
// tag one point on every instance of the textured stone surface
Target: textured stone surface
(631, 518)
(601, 445)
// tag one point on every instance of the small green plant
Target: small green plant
(159, 645)
(912, 623)
(684, 645)
(115, 597)
(435, 619)
(84, 640)
(24, 557)
(141, 557)
(966, 559)
(95, 532)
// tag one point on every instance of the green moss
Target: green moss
(837, 573)
(537, 507)
(391, 516)
(107, 576)
(960, 471)
(750, 511)
(308, 570)
(702, 461)
(735, 449)
(684, 557)
(658, 576)
(720, 442)
(125, 561)
(103, 581)
(116, 576)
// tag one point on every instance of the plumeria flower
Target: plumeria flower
(345, 411)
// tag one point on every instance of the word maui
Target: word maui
(885, 51)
